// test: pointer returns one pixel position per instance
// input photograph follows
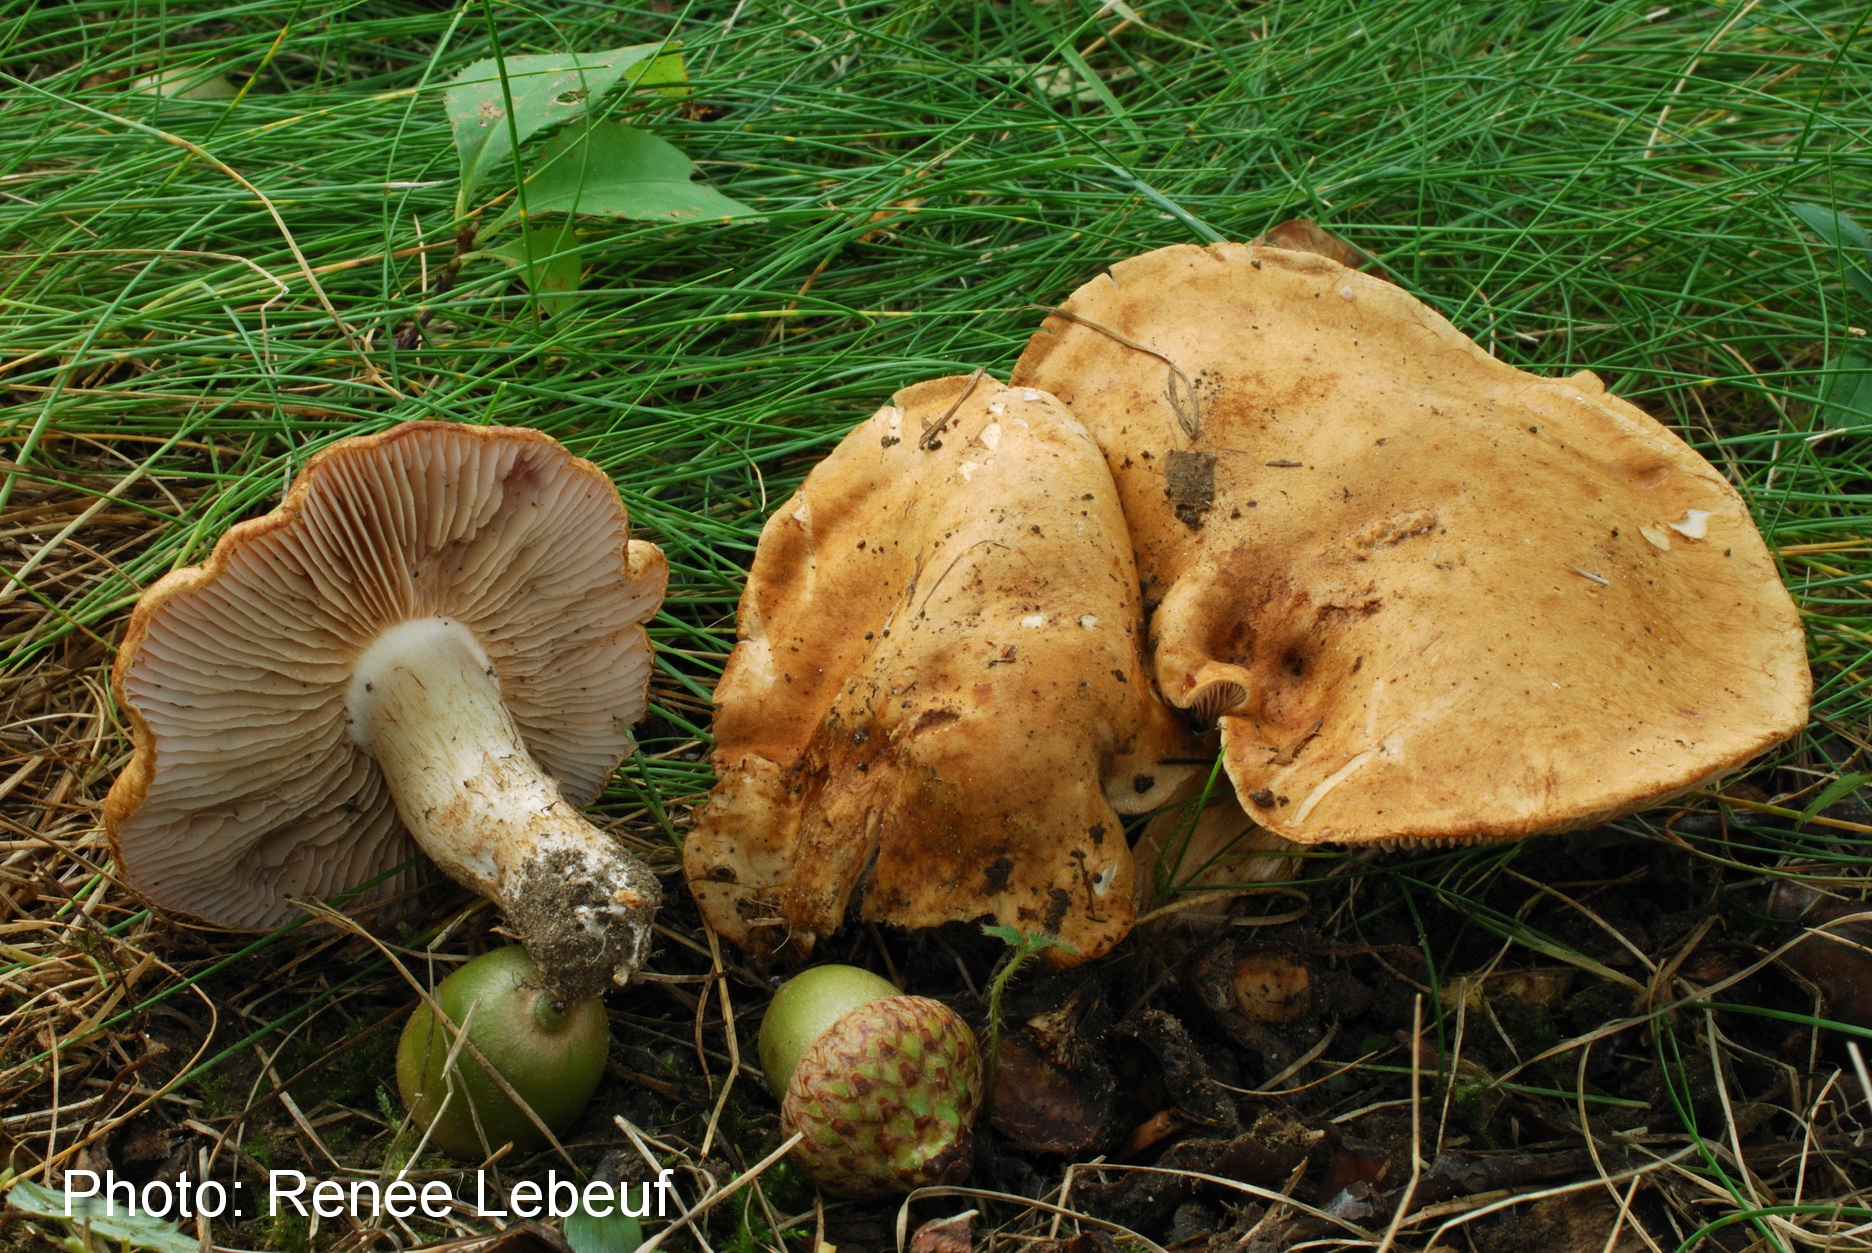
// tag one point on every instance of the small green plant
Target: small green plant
(216, 1093)
(287, 1232)
(752, 1233)
(1023, 946)
(590, 168)
(1847, 399)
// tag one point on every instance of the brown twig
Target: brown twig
(411, 333)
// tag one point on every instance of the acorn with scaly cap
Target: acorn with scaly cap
(883, 1087)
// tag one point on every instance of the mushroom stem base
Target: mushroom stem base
(425, 702)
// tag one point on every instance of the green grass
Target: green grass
(1576, 185)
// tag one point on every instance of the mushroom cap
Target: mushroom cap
(1429, 595)
(247, 787)
(938, 705)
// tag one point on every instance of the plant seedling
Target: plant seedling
(595, 168)
(1023, 946)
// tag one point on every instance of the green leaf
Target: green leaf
(618, 1233)
(618, 171)
(546, 91)
(1847, 400)
(1833, 225)
(1004, 932)
(140, 1232)
(1023, 942)
(1835, 791)
(546, 256)
(668, 75)
(1844, 234)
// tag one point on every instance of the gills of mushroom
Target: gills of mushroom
(437, 640)
(1426, 595)
(425, 702)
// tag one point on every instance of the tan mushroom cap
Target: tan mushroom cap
(938, 706)
(247, 786)
(1434, 596)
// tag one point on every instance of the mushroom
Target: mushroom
(438, 635)
(938, 705)
(1208, 842)
(1428, 596)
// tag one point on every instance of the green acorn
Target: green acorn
(550, 1052)
(885, 1087)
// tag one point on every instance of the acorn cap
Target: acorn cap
(886, 1099)
(1428, 595)
(247, 786)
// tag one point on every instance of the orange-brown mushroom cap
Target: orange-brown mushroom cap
(938, 706)
(1427, 594)
(248, 785)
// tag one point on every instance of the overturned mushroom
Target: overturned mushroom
(438, 634)
(1428, 595)
(938, 705)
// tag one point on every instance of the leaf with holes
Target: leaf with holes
(613, 170)
(545, 91)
